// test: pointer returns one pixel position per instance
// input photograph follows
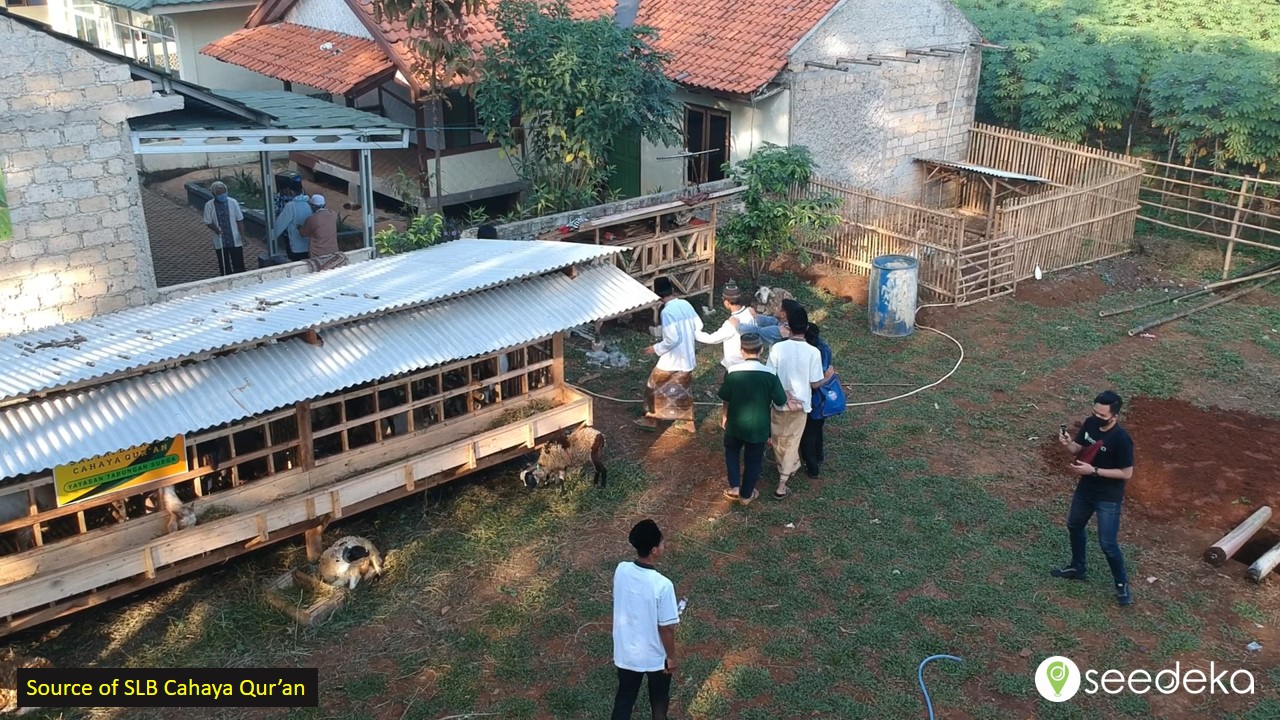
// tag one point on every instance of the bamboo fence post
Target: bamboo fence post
(1265, 564)
(1235, 227)
(1222, 550)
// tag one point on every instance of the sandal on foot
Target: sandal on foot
(786, 493)
(732, 495)
(747, 501)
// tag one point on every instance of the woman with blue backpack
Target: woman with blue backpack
(828, 401)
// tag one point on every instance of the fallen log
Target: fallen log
(1258, 273)
(1265, 564)
(1222, 550)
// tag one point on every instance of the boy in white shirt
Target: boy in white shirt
(645, 616)
(728, 334)
(799, 367)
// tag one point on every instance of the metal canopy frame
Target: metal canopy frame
(268, 140)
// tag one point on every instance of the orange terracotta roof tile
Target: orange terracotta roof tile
(483, 31)
(734, 46)
(323, 59)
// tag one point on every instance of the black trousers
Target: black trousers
(811, 450)
(230, 260)
(629, 688)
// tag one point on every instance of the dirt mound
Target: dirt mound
(1206, 469)
(1061, 291)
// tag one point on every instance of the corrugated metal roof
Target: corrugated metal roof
(983, 170)
(295, 111)
(80, 425)
(63, 356)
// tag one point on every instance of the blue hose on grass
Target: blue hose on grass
(920, 676)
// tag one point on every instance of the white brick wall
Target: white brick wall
(866, 126)
(79, 245)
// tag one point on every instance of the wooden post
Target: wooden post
(306, 444)
(1235, 228)
(557, 364)
(1234, 540)
(1265, 564)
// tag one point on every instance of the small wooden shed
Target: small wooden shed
(277, 408)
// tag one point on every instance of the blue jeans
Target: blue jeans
(1083, 506)
(744, 479)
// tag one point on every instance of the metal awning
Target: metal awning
(93, 350)
(197, 396)
(983, 170)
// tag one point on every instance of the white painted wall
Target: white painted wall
(327, 15)
(196, 29)
(474, 171)
(749, 127)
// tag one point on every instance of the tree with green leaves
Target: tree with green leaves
(775, 221)
(576, 87)
(446, 61)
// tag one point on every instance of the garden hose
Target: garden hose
(935, 383)
(920, 676)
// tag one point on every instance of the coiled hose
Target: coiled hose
(920, 676)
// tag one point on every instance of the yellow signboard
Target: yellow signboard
(128, 468)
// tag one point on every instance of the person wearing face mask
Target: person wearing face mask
(1104, 461)
(224, 217)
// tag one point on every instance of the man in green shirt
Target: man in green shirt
(749, 391)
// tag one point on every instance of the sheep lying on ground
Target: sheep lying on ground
(350, 560)
(577, 449)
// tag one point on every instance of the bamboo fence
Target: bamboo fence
(872, 225)
(1070, 226)
(1086, 213)
(1062, 164)
(1231, 209)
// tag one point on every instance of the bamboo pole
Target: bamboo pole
(1264, 271)
(1235, 228)
(1265, 564)
(1224, 299)
(1230, 543)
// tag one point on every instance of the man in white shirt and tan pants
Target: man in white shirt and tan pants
(668, 394)
(645, 615)
(799, 367)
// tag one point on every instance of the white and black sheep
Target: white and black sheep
(582, 447)
(350, 560)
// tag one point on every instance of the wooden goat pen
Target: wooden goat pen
(289, 473)
(1016, 203)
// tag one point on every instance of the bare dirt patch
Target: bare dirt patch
(1203, 469)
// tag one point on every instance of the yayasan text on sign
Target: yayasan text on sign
(88, 479)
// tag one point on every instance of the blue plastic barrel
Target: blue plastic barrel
(891, 295)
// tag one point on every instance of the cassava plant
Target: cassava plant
(776, 221)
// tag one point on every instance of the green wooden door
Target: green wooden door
(626, 165)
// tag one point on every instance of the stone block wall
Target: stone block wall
(865, 126)
(79, 245)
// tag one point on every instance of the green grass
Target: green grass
(892, 558)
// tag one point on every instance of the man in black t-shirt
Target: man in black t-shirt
(1104, 461)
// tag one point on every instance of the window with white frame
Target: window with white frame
(149, 39)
